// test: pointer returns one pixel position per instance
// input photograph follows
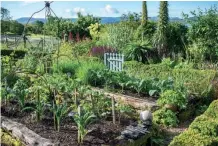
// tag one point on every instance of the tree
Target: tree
(5, 17)
(16, 28)
(38, 27)
(144, 13)
(203, 33)
(160, 37)
(5, 14)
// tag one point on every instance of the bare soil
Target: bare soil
(101, 132)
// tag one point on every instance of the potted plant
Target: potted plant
(172, 100)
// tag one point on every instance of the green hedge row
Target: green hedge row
(197, 81)
(203, 131)
(17, 53)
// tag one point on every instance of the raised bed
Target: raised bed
(21, 132)
(138, 103)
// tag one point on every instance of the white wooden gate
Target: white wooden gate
(114, 61)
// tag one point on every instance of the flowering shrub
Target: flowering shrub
(99, 51)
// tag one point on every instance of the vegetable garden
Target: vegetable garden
(62, 92)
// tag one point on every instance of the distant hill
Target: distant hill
(104, 20)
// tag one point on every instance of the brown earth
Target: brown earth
(101, 132)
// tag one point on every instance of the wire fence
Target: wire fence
(24, 41)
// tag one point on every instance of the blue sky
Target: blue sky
(68, 9)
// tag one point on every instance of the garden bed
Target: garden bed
(101, 132)
(131, 99)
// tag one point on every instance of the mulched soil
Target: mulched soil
(101, 132)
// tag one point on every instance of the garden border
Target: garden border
(138, 103)
(24, 134)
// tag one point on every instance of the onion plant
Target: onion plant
(59, 110)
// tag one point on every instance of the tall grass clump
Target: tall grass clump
(82, 72)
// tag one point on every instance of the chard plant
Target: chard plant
(21, 90)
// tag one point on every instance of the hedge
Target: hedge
(203, 131)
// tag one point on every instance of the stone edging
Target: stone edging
(24, 134)
(137, 103)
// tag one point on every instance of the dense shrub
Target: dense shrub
(206, 126)
(203, 32)
(193, 138)
(202, 131)
(172, 97)
(165, 117)
(177, 38)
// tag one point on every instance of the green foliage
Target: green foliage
(160, 37)
(193, 138)
(196, 81)
(83, 71)
(94, 30)
(21, 90)
(82, 48)
(101, 106)
(177, 38)
(83, 22)
(57, 26)
(120, 80)
(137, 51)
(66, 66)
(144, 13)
(212, 110)
(130, 17)
(29, 63)
(7, 139)
(202, 131)
(172, 97)
(203, 32)
(157, 137)
(39, 108)
(124, 110)
(82, 122)
(59, 111)
(5, 14)
(165, 117)
(145, 31)
(119, 36)
(205, 126)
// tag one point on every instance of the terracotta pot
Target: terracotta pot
(171, 107)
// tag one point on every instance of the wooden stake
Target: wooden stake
(113, 110)
(79, 113)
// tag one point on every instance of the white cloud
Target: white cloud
(78, 9)
(110, 10)
(68, 10)
(73, 12)
(25, 3)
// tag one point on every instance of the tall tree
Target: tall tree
(144, 13)
(5, 14)
(160, 37)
